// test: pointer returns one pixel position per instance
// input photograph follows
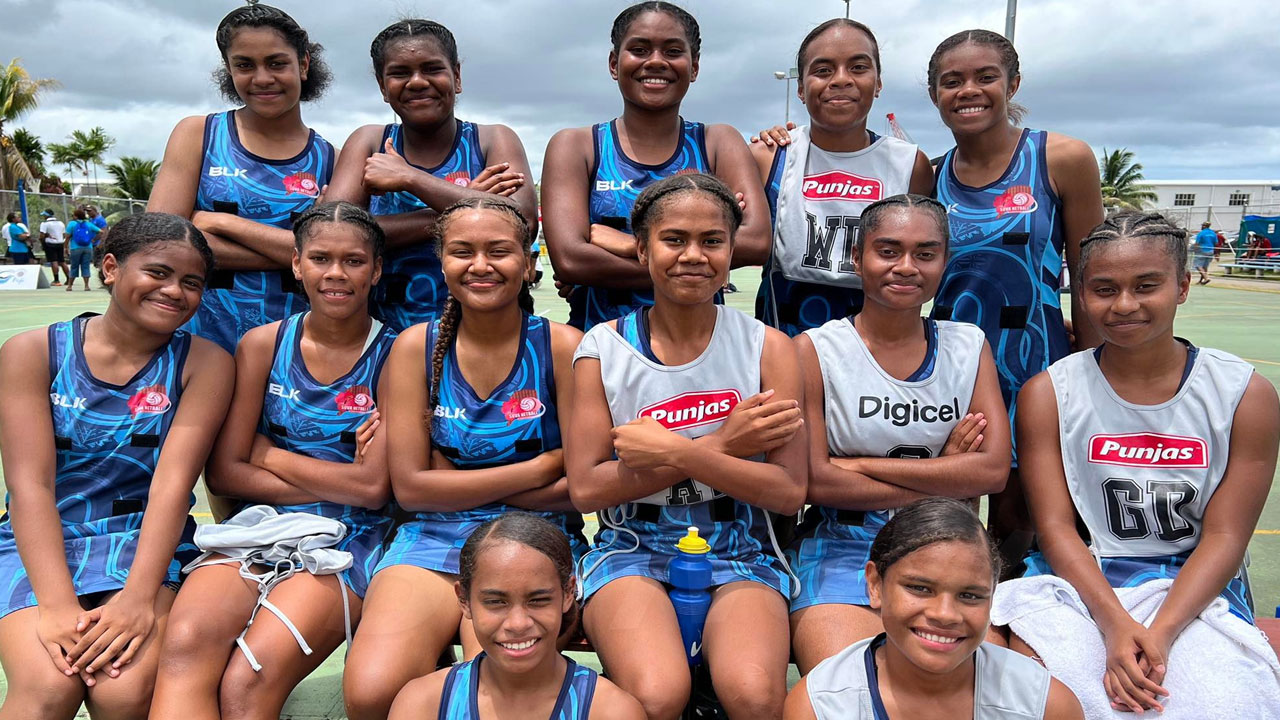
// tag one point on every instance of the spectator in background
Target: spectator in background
(18, 237)
(95, 217)
(1206, 241)
(53, 235)
(84, 235)
(1259, 247)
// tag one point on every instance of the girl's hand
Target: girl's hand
(776, 135)
(756, 426)
(742, 201)
(563, 289)
(967, 435)
(644, 444)
(56, 629)
(1133, 652)
(498, 179)
(113, 633)
(386, 171)
(364, 435)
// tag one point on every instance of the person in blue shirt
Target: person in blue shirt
(1206, 241)
(19, 236)
(105, 427)
(84, 236)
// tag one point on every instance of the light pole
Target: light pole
(788, 77)
(1010, 19)
(846, 9)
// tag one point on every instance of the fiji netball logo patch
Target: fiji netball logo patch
(150, 400)
(461, 178)
(1149, 450)
(303, 183)
(523, 405)
(357, 399)
(1017, 199)
(693, 408)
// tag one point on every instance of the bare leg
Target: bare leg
(37, 690)
(748, 669)
(820, 631)
(128, 697)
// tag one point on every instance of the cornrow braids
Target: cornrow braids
(653, 201)
(266, 16)
(622, 23)
(926, 522)
(1135, 225)
(1008, 60)
(339, 212)
(445, 334)
(875, 213)
(412, 28)
(815, 33)
(136, 233)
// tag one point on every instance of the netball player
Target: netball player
(931, 574)
(106, 423)
(901, 407)
(408, 172)
(1019, 200)
(671, 431)
(1164, 450)
(244, 174)
(818, 185)
(473, 410)
(594, 174)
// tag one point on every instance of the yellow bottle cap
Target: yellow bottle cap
(693, 544)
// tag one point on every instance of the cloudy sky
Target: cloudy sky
(1192, 89)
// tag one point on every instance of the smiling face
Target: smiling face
(483, 261)
(265, 70)
(688, 247)
(337, 269)
(973, 89)
(516, 605)
(158, 286)
(654, 64)
(1132, 291)
(935, 603)
(418, 81)
(840, 79)
(901, 260)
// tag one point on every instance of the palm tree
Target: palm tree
(31, 149)
(70, 155)
(134, 177)
(1122, 186)
(93, 145)
(19, 94)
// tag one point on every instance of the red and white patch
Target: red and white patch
(151, 400)
(693, 409)
(303, 183)
(461, 178)
(1017, 199)
(355, 399)
(1149, 450)
(840, 185)
(523, 405)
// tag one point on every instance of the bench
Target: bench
(1257, 266)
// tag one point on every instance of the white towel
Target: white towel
(285, 544)
(1219, 667)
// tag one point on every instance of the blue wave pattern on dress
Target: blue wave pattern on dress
(458, 698)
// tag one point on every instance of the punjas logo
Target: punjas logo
(840, 185)
(1149, 450)
(692, 409)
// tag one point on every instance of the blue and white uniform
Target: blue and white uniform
(412, 288)
(694, 399)
(515, 423)
(108, 440)
(272, 192)
(616, 182)
(458, 700)
(1142, 476)
(870, 413)
(1006, 258)
(319, 420)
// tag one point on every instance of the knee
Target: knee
(747, 691)
(366, 692)
(187, 639)
(127, 697)
(59, 697)
(662, 697)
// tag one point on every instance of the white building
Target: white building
(1221, 202)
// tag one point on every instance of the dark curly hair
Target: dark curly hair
(412, 28)
(266, 16)
(136, 233)
(837, 22)
(874, 214)
(622, 23)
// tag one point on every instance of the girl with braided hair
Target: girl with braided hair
(1143, 440)
(408, 172)
(474, 403)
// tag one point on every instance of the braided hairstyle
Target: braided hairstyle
(1002, 46)
(654, 199)
(529, 530)
(451, 315)
(136, 233)
(339, 212)
(266, 16)
(622, 23)
(926, 522)
(837, 22)
(412, 28)
(876, 212)
(1136, 225)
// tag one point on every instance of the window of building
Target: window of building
(1238, 199)
(1184, 199)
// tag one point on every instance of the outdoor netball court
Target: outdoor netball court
(1239, 316)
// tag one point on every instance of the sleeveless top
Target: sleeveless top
(458, 699)
(1007, 685)
(616, 182)
(1006, 257)
(1141, 476)
(412, 288)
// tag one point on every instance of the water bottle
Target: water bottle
(689, 573)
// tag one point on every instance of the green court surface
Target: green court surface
(1243, 319)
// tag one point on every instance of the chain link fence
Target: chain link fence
(64, 205)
